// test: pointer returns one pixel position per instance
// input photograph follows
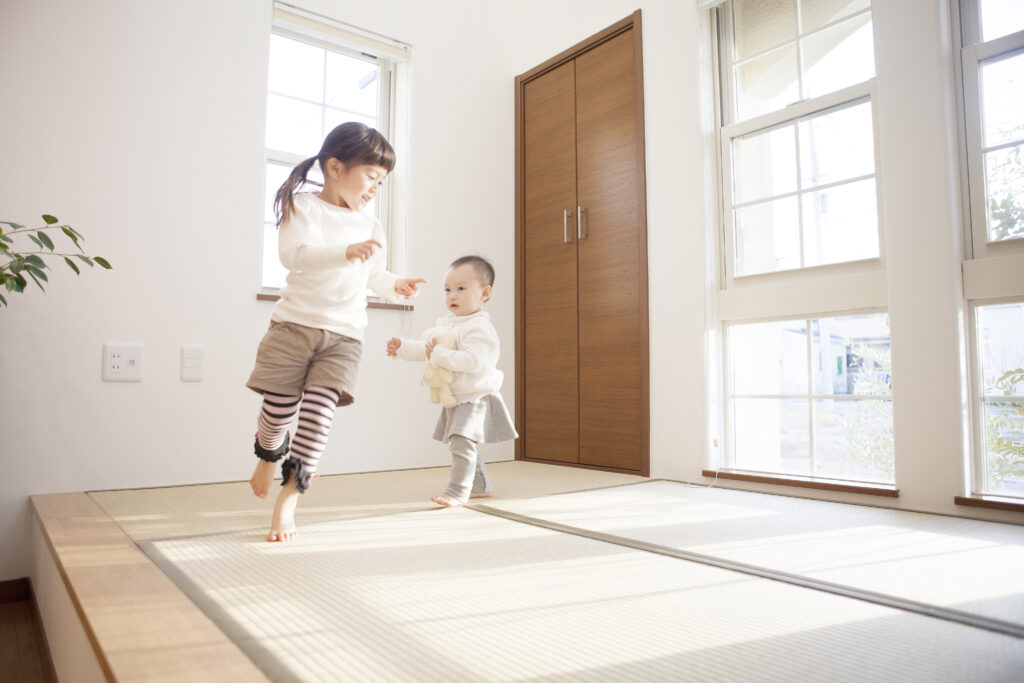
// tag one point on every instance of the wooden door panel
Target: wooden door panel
(611, 360)
(550, 373)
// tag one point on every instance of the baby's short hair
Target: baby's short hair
(483, 268)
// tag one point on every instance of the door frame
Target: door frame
(631, 22)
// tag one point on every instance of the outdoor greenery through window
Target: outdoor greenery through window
(313, 86)
(1000, 333)
(798, 138)
(812, 398)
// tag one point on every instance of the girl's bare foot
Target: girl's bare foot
(282, 525)
(447, 501)
(262, 478)
(480, 494)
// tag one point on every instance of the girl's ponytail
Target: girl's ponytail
(284, 201)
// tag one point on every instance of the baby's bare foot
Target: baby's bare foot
(447, 501)
(262, 478)
(282, 525)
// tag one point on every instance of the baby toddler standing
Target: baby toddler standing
(306, 364)
(480, 415)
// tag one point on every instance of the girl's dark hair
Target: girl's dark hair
(483, 268)
(351, 143)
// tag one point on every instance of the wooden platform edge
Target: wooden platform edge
(140, 625)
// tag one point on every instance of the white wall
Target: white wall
(141, 124)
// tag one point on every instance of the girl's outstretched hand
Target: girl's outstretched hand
(408, 286)
(393, 344)
(361, 251)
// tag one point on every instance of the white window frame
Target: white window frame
(820, 291)
(392, 59)
(810, 396)
(993, 272)
(973, 55)
(789, 115)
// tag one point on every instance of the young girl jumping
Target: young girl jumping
(307, 361)
(480, 414)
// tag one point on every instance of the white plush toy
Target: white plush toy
(437, 378)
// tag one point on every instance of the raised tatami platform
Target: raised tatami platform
(568, 574)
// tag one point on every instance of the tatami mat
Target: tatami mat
(153, 513)
(382, 585)
(457, 595)
(972, 566)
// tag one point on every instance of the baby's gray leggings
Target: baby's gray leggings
(468, 471)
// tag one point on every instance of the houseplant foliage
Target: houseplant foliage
(21, 264)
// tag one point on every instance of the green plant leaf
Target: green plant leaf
(103, 262)
(71, 235)
(3, 301)
(16, 226)
(45, 239)
(36, 240)
(72, 266)
(33, 276)
(35, 261)
(84, 259)
(38, 272)
(50, 220)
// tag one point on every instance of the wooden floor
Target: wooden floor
(22, 646)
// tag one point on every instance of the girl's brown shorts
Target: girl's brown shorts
(292, 357)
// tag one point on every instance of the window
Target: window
(797, 135)
(812, 398)
(992, 60)
(322, 74)
(808, 393)
(999, 330)
(992, 68)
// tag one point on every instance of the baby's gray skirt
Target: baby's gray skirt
(484, 421)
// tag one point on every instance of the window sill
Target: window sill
(371, 302)
(991, 502)
(807, 482)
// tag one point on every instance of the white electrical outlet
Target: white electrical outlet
(122, 362)
(191, 363)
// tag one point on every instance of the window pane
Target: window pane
(840, 224)
(850, 355)
(1001, 346)
(767, 83)
(816, 13)
(853, 440)
(769, 358)
(1004, 447)
(1002, 100)
(837, 146)
(351, 84)
(1004, 188)
(294, 126)
(296, 68)
(767, 237)
(762, 24)
(336, 117)
(771, 435)
(838, 56)
(764, 164)
(1000, 18)
(273, 273)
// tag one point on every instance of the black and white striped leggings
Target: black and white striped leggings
(315, 408)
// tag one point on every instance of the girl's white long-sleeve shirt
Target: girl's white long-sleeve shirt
(474, 358)
(323, 290)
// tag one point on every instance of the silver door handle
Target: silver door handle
(566, 215)
(581, 232)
